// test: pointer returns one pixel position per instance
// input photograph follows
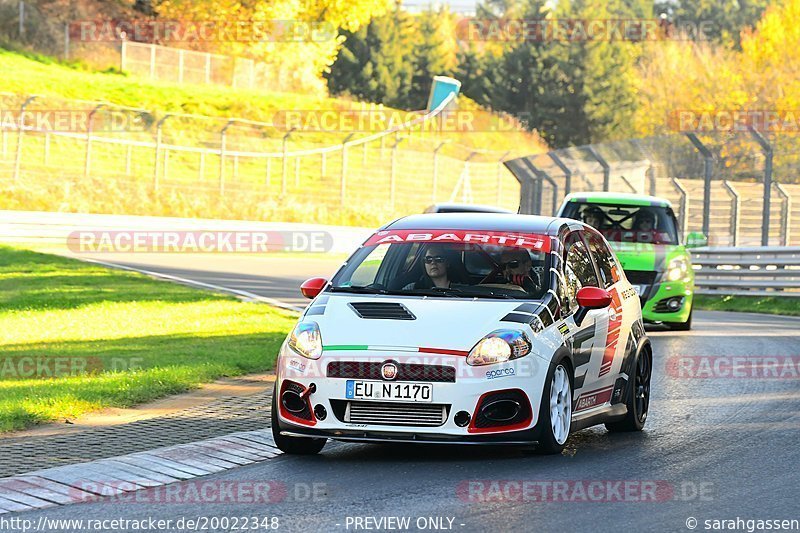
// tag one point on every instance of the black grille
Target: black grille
(379, 310)
(391, 413)
(405, 371)
(641, 277)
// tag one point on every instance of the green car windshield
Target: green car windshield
(627, 223)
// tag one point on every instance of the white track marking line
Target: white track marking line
(244, 294)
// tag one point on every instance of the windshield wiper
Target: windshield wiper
(460, 293)
(437, 291)
(357, 289)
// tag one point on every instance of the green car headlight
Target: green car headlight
(678, 269)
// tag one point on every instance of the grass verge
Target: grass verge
(773, 305)
(78, 337)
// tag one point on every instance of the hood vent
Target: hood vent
(380, 310)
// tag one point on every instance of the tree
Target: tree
(434, 52)
(571, 91)
(376, 62)
(723, 21)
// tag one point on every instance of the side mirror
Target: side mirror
(590, 298)
(696, 239)
(312, 287)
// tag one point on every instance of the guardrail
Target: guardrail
(747, 271)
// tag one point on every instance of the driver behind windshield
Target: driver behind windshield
(518, 269)
(644, 220)
(593, 216)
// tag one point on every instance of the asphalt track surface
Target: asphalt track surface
(715, 447)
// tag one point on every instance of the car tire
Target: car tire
(292, 445)
(682, 326)
(638, 402)
(556, 419)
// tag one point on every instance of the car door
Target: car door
(622, 308)
(589, 338)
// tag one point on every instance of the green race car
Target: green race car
(643, 232)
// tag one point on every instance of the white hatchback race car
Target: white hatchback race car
(463, 328)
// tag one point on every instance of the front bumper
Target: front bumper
(654, 307)
(471, 385)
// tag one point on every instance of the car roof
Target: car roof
(465, 208)
(622, 198)
(481, 222)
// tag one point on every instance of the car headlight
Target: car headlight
(306, 340)
(500, 346)
(678, 269)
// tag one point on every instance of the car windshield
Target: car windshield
(627, 223)
(447, 263)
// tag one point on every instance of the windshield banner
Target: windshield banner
(539, 243)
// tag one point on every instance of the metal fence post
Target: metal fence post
(736, 206)
(284, 142)
(21, 19)
(767, 149)
(567, 172)
(527, 180)
(66, 41)
(159, 126)
(650, 173)
(500, 175)
(343, 175)
(604, 164)
(165, 172)
(20, 133)
(435, 177)
(684, 205)
(708, 168)
(222, 146)
(542, 176)
(786, 214)
(87, 167)
(393, 171)
(152, 61)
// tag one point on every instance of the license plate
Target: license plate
(395, 392)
